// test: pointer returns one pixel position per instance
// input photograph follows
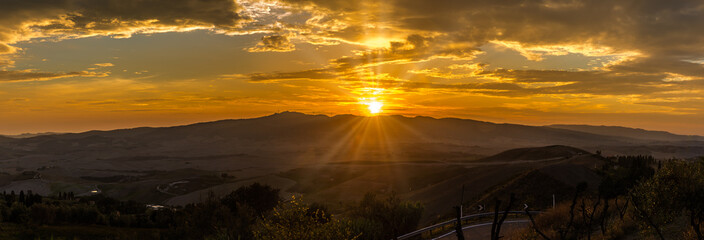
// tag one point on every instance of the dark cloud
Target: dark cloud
(220, 13)
(415, 48)
(664, 30)
(660, 65)
(656, 38)
(654, 43)
(4, 48)
(337, 5)
(23, 20)
(349, 68)
(20, 76)
(475, 87)
(515, 83)
(26, 20)
(309, 74)
(662, 27)
(274, 43)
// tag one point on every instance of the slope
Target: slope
(635, 133)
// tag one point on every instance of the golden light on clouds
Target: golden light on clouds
(378, 42)
(521, 63)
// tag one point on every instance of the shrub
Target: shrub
(293, 221)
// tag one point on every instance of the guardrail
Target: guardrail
(444, 224)
(477, 225)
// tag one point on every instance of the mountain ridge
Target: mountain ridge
(296, 133)
(593, 129)
(629, 132)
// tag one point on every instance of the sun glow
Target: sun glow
(377, 42)
(374, 107)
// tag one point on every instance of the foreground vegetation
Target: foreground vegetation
(251, 212)
(638, 198)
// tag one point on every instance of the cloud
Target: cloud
(67, 19)
(308, 74)
(27, 75)
(651, 28)
(414, 48)
(274, 43)
(464, 79)
(5, 49)
(104, 64)
(653, 49)
(363, 66)
(25, 20)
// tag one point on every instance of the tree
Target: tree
(9, 199)
(212, 219)
(293, 221)
(386, 219)
(261, 198)
(42, 214)
(22, 198)
(676, 189)
(19, 214)
(496, 224)
(588, 214)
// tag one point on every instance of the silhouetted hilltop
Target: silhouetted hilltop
(294, 133)
(28, 135)
(635, 133)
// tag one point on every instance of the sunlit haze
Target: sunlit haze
(375, 107)
(70, 66)
(351, 119)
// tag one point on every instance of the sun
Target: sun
(372, 98)
(374, 107)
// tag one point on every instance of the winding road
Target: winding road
(483, 230)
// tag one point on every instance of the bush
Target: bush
(261, 198)
(386, 219)
(294, 221)
(19, 214)
(676, 190)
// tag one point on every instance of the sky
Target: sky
(78, 65)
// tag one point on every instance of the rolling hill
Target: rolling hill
(635, 133)
(528, 154)
(331, 159)
(293, 133)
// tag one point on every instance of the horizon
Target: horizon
(71, 66)
(351, 120)
(326, 115)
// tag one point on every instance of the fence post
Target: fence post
(458, 225)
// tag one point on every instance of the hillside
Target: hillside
(328, 159)
(436, 184)
(549, 152)
(635, 133)
(297, 134)
(533, 180)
